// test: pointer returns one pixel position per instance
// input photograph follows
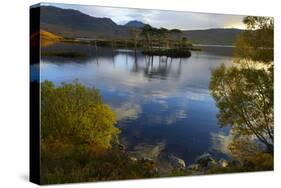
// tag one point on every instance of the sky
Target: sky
(160, 18)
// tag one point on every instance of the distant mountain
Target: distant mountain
(73, 23)
(213, 36)
(134, 24)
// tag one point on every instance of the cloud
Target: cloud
(174, 117)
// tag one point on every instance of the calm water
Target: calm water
(163, 105)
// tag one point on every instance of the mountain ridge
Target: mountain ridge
(71, 23)
(135, 24)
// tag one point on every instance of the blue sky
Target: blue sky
(160, 18)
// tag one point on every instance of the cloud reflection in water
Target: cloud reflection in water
(160, 100)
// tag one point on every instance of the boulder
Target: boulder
(177, 162)
(206, 160)
(223, 163)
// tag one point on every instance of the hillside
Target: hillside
(213, 36)
(75, 24)
(48, 38)
(72, 23)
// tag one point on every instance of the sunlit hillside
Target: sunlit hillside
(48, 38)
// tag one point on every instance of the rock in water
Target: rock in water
(223, 163)
(177, 162)
(205, 160)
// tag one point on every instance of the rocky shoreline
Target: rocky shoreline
(172, 163)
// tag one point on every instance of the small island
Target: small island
(146, 39)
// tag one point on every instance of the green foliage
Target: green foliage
(256, 43)
(178, 172)
(164, 38)
(78, 138)
(245, 100)
(176, 31)
(146, 32)
(248, 153)
(82, 165)
(248, 157)
(185, 43)
(244, 96)
(259, 22)
(77, 114)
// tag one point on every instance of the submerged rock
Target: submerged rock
(177, 162)
(206, 160)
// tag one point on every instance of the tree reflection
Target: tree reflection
(244, 95)
(136, 65)
(162, 68)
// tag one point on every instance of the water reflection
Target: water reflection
(221, 141)
(156, 99)
(144, 150)
(127, 111)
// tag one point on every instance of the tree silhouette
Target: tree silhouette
(135, 33)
